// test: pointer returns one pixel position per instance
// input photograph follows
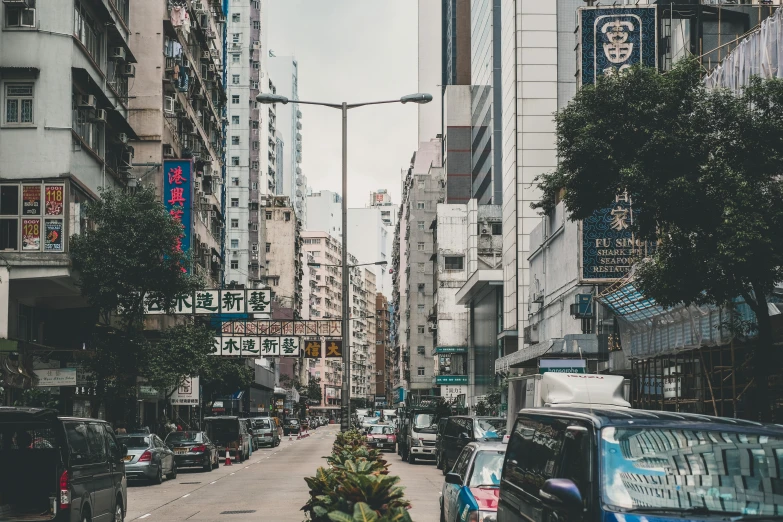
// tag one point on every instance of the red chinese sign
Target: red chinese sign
(177, 197)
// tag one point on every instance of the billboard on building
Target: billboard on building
(178, 197)
(612, 39)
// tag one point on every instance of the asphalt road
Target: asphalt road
(268, 487)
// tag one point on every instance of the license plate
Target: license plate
(180, 451)
(128, 458)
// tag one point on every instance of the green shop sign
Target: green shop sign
(451, 349)
(451, 379)
(562, 366)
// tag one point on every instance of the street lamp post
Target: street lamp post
(418, 98)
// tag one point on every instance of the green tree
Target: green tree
(223, 377)
(703, 171)
(130, 252)
(181, 351)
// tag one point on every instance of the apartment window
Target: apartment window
(235, 243)
(87, 30)
(254, 85)
(235, 59)
(255, 125)
(421, 184)
(420, 350)
(254, 185)
(420, 371)
(19, 17)
(256, 65)
(234, 120)
(235, 202)
(420, 205)
(421, 288)
(420, 308)
(255, 165)
(420, 267)
(235, 182)
(235, 99)
(256, 24)
(420, 225)
(287, 216)
(269, 215)
(420, 328)
(235, 79)
(420, 247)
(454, 262)
(268, 247)
(36, 217)
(234, 140)
(234, 264)
(235, 37)
(235, 17)
(234, 161)
(255, 145)
(18, 103)
(497, 229)
(234, 223)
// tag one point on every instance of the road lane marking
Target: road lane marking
(145, 516)
(233, 473)
(186, 496)
(215, 482)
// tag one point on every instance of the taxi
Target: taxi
(471, 489)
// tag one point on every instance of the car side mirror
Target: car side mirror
(561, 494)
(123, 450)
(453, 478)
(464, 435)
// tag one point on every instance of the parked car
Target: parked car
(148, 458)
(265, 432)
(462, 429)
(368, 422)
(59, 468)
(292, 427)
(439, 443)
(229, 434)
(605, 463)
(382, 436)
(471, 489)
(193, 449)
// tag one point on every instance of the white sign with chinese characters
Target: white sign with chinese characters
(243, 346)
(56, 377)
(215, 302)
(187, 394)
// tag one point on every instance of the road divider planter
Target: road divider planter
(356, 486)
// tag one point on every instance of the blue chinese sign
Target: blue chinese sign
(615, 38)
(178, 197)
(609, 247)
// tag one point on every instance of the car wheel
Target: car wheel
(442, 513)
(86, 517)
(207, 465)
(159, 477)
(119, 515)
(173, 474)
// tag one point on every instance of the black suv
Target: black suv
(59, 468)
(462, 429)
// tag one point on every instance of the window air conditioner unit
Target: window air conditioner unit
(168, 151)
(117, 53)
(99, 116)
(128, 70)
(86, 101)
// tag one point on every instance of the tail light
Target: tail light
(201, 448)
(145, 457)
(65, 491)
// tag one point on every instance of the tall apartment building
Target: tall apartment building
(65, 71)
(370, 240)
(456, 42)
(284, 71)
(324, 212)
(383, 384)
(362, 338)
(425, 189)
(246, 181)
(177, 106)
(283, 249)
(389, 211)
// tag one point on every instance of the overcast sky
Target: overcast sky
(353, 51)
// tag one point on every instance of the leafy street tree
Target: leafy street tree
(224, 377)
(128, 254)
(181, 351)
(703, 171)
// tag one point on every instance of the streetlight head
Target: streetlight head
(314, 264)
(271, 98)
(382, 263)
(419, 97)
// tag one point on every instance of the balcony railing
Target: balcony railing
(122, 7)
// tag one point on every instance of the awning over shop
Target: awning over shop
(477, 283)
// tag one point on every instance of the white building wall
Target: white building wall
(324, 213)
(452, 221)
(369, 239)
(430, 67)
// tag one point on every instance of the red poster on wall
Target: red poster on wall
(54, 200)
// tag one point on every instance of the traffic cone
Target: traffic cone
(290, 437)
(228, 458)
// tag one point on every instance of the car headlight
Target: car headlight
(415, 442)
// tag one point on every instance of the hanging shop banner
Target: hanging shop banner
(31, 200)
(312, 348)
(187, 394)
(215, 302)
(178, 197)
(453, 391)
(612, 39)
(31, 234)
(53, 238)
(261, 346)
(451, 379)
(562, 366)
(609, 247)
(319, 328)
(334, 349)
(56, 377)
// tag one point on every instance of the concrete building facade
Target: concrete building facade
(383, 385)
(283, 248)
(370, 240)
(324, 212)
(456, 42)
(430, 67)
(457, 143)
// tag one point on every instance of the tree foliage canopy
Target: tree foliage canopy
(703, 171)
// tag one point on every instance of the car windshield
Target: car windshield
(263, 424)
(490, 428)
(135, 442)
(370, 420)
(674, 469)
(487, 467)
(223, 430)
(423, 420)
(184, 436)
(381, 430)
(293, 421)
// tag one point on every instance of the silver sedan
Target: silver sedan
(148, 458)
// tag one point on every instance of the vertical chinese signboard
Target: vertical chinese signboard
(178, 197)
(615, 38)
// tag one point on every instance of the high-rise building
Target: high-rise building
(283, 249)
(456, 143)
(383, 385)
(324, 212)
(486, 101)
(456, 42)
(362, 331)
(370, 240)
(246, 181)
(284, 71)
(430, 67)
